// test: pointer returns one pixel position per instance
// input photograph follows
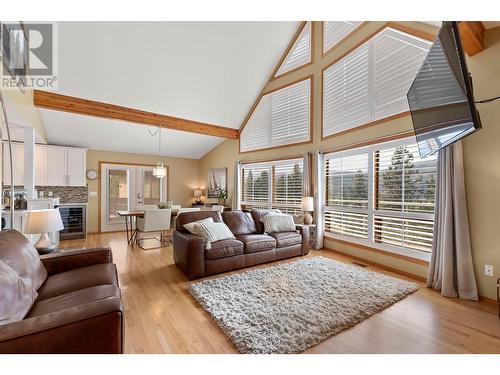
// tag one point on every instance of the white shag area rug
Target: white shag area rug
(290, 307)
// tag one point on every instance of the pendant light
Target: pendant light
(159, 171)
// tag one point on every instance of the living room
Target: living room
(263, 187)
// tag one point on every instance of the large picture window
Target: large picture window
(280, 118)
(382, 196)
(371, 82)
(274, 184)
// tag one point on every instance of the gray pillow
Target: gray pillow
(278, 223)
(16, 296)
(194, 227)
(212, 232)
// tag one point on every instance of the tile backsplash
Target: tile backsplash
(67, 194)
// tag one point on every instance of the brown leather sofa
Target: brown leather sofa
(78, 308)
(251, 246)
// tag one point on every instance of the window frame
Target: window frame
(371, 69)
(323, 37)
(370, 211)
(309, 78)
(270, 164)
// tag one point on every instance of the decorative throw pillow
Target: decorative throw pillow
(194, 227)
(278, 223)
(212, 232)
(16, 296)
(20, 255)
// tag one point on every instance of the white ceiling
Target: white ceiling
(204, 71)
(96, 133)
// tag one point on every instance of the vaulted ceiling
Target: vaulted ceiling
(204, 71)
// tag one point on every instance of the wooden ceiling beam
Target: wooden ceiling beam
(472, 36)
(65, 103)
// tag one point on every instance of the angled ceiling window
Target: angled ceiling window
(280, 118)
(336, 31)
(371, 82)
(299, 54)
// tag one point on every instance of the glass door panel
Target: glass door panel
(151, 188)
(118, 193)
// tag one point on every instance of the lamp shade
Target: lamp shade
(198, 193)
(43, 221)
(159, 170)
(307, 203)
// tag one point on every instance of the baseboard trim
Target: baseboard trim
(375, 264)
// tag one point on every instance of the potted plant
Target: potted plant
(164, 205)
(222, 195)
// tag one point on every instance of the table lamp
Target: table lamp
(307, 206)
(198, 193)
(44, 222)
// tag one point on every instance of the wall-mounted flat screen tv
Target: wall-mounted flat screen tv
(440, 98)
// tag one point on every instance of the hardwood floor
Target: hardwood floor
(162, 317)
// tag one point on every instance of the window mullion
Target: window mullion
(371, 190)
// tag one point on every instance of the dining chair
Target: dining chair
(154, 220)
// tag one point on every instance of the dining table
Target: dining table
(130, 222)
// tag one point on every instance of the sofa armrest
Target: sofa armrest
(304, 232)
(189, 254)
(72, 259)
(95, 327)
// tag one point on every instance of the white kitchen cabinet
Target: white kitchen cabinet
(41, 165)
(18, 163)
(57, 171)
(54, 165)
(76, 166)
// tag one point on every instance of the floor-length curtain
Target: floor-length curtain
(306, 175)
(451, 269)
(318, 198)
(237, 186)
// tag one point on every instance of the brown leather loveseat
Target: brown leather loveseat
(250, 247)
(77, 308)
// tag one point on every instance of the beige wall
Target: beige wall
(481, 151)
(183, 178)
(482, 165)
(22, 112)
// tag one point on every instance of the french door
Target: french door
(125, 187)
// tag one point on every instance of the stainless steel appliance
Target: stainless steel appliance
(74, 218)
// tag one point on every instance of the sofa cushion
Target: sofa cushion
(194, 227)
(274, 223)
(77, 279)
(257, 242)
(20, 255)
(239, 222)
(74, 299)
(16, 296)
(224, 248)
(258, 214)
(284, 239)
(189, 217)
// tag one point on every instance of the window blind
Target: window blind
(336, 31)
(274, 184)
(299, 54)
(382, 196)
(371, 82)
(280, 118)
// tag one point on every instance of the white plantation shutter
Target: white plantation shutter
(280, 118)
(382, 196)
(255, 185)
(273, 184)
(397, 58)
(346, 101)
(299, 54)
(371, 82)
(287, 182)
(336, 31)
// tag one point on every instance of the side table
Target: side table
(312, 234)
